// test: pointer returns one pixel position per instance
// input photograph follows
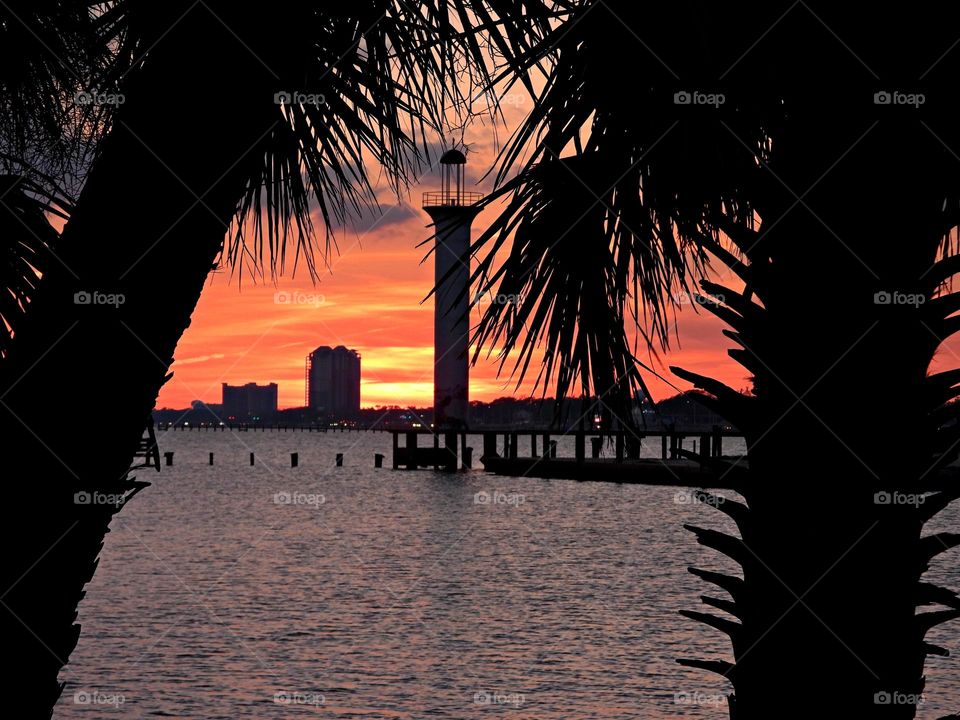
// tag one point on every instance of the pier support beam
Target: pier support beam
(490, 445)
(596, 446)
(411, 451)
(450, 451)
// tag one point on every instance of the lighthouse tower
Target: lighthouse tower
(452, 211)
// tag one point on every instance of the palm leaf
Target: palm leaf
(28, 240)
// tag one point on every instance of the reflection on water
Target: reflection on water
(271, 592)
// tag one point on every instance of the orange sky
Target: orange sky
(370, 300)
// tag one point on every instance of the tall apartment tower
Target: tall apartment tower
(333, 381)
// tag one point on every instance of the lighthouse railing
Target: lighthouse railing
(451, 198)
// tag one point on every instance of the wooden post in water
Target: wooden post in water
(705, 450)
(676, 445)
(533, 445)
(717, 446)
(378, 460)
(466, 453)
(619, 441)
(663, 445)
(294, 459)
(411, 451)
(396, 451)
(211, 458)
(596, 445)
(450, 451)
(339, 459)
(673, 441)
(580, 451)
(251, 458)
(490, 445)
(546, 444)
(553, 449)
(168, 458)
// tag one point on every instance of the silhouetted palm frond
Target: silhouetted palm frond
(608, 209)
(384, 79)
(27, 241)
(644, 144)
(56, 57)
(365, 86)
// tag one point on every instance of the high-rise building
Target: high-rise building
(243, 402)
(333, 381)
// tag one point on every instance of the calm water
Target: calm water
(382, 594)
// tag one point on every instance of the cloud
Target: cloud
(200, 359)
(386, 216)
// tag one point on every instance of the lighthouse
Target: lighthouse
(452, 211)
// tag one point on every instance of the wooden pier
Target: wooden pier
(424, 448)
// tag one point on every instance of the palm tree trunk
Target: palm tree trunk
(840, 433)
(81, 379)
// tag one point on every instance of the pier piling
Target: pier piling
(596, 446)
